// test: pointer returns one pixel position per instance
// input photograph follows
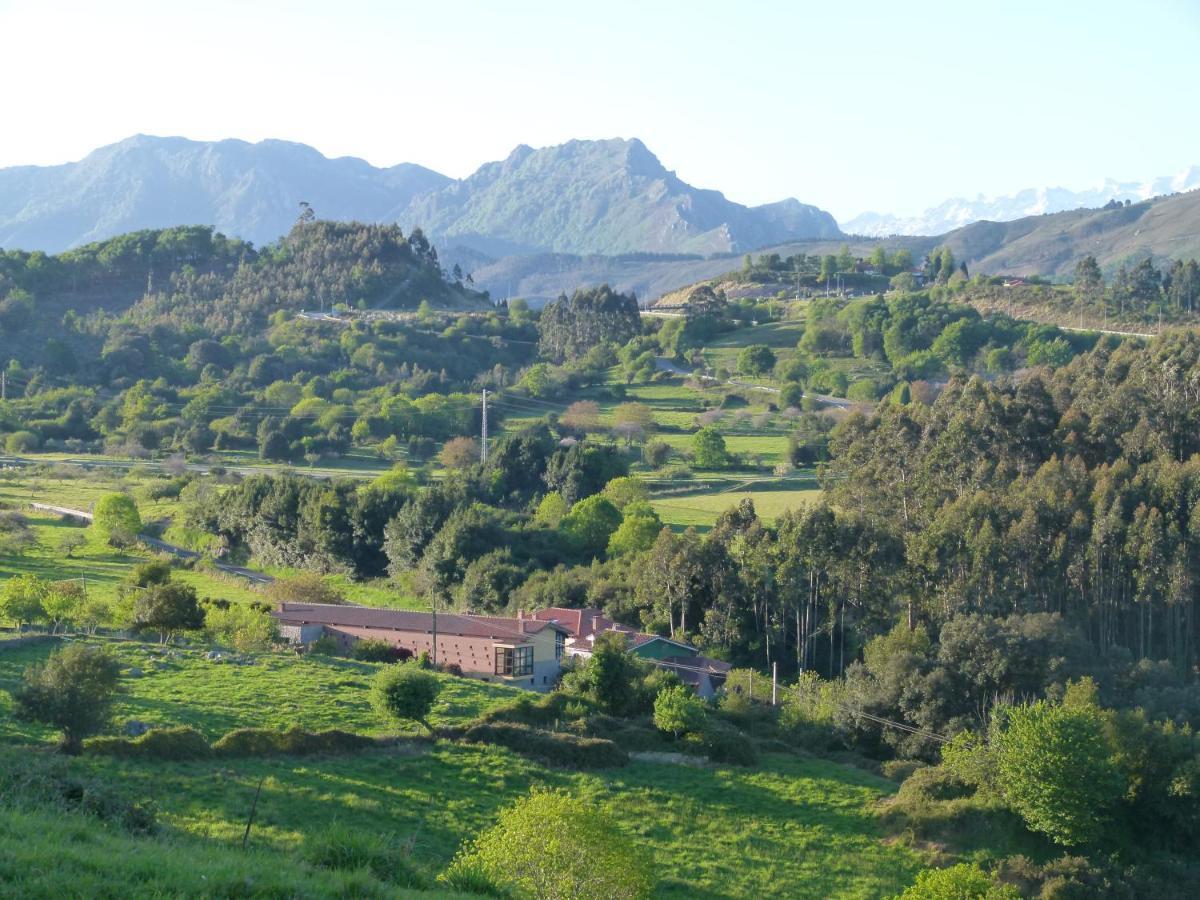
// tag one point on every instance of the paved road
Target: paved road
(198, 468)
(667, 365)
(181, 552)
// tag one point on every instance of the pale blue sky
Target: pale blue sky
(852, 106)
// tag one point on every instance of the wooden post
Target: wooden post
(774, 682)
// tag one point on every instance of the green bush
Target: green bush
(180, 743)
(375, 650)
(961, 882)
(553, 748)
(553, 845)
(543, 711)
(324, 646)
(678, 710)
(725, 744)
(405, 692)
(292, 742)
(22, 442)
(342, 848)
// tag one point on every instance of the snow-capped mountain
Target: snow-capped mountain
(960, 211)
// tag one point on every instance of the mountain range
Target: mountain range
(959, 211)
(608, 197)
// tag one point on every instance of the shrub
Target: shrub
(72, 691)
(962, 882)
(324, 646)
(21, 442)
(240, 626)
(178, 743)
(347, 849)
(115, 519)
(292, 742)
(553, 845)
(377, 650)
(405, 692)
(557, 706)
(724, 744)
(678, 710)
(550, 747)
(1055, 771)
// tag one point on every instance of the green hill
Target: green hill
(1163, 228)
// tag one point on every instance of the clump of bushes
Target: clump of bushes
(292, 742)
(723, 743)
(183, 742)
(375, 650)
(543, 711)
(550, 747)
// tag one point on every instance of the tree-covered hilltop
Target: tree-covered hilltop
(197, 283)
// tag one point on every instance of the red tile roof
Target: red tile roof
(394, 620)
(578, 622)
(527, 625)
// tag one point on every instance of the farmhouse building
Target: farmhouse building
(703, 674)
(517, 651)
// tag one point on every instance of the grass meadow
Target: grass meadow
(791, 827)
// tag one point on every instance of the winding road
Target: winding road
(666, 365)
(250, 575)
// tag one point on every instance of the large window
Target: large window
(514, 660)
(560, 644)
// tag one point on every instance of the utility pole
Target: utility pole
(483, 435)
(433, 606)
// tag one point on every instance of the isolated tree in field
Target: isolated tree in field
(63, 602)
(21, 600)
(405, 693)
(656, 454)
(678, 710)
(16, 534)
(460, 453)
(71, 691)
(582, 415)
(115, 519)
(708, 448)
(553, 846)
(70, 542)
(1055, 770)
(168, 608)
(757, 359)
(633, 421)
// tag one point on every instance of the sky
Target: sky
(890, 107)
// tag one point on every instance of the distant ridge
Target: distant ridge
(610, 196)
(959, 211)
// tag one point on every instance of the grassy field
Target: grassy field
(53, 855)
(182, 687)
(791, 827)
(701, 510)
